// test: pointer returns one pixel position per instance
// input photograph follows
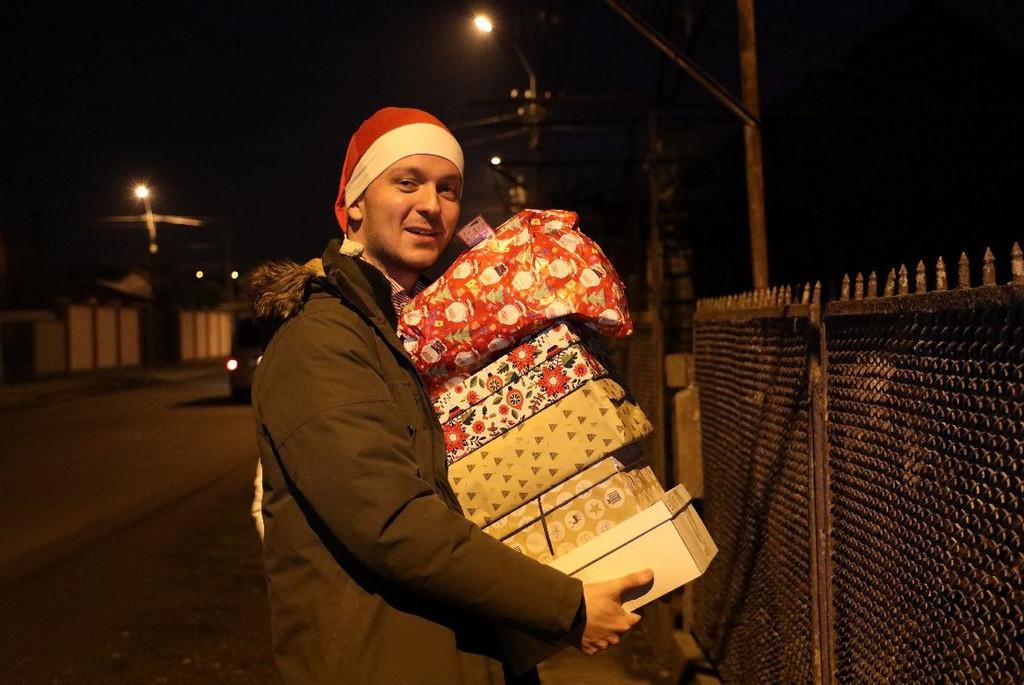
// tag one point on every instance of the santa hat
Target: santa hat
(386, 137)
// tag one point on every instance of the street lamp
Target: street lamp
(200, 274)
(142, 192)
(483, 24)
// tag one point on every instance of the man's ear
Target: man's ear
(354, 214)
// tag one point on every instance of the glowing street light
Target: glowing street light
(234, 275)
(483, 23)
(200, 274)
(143, 192)
(495, 160)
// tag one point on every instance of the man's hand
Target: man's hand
(605, 615)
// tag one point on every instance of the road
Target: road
(128, 554)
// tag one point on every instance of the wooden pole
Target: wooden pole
(655, 277)
(752, 144)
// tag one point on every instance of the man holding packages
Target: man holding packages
(374, 575)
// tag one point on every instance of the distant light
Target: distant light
(232, 364)
(482, 23)
(495, 160)
(141, 191)
(234, 275)
(200, 274)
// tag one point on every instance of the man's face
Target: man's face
(407, 215)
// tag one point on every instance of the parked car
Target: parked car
(246, 352)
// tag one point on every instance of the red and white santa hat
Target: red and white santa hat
(386, 137)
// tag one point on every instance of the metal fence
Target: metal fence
(864, 480)
(754, 607)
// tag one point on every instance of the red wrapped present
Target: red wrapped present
(537, 267)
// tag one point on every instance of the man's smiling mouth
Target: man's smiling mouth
(423, 231)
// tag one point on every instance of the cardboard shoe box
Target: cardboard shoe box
(668, 537)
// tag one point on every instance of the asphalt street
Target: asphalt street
(129, 555)
(75, 470)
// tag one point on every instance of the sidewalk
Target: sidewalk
(35, 393)
(629, 663)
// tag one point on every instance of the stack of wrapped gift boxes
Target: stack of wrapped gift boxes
(541, 439)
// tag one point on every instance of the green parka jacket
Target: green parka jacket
(374, 575)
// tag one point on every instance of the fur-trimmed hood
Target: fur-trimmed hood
(278, 288)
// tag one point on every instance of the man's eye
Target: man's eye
(449, 191)
(407, 184)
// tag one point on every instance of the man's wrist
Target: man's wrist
(579, 623)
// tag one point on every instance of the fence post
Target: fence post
(817, 378)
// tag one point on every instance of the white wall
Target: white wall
(106, 337)
(80, 338)
(50, 348)
(131, 340)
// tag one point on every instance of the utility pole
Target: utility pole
(752, 144)
(749, 116)
(655, 289)
(150, 220)
(655, 268)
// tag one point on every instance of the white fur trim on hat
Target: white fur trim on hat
(411, 139)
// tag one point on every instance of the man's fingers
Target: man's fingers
(637, 579)
(626, 622)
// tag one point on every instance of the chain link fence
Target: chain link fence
(926, 465)
(753, 607)
(864, 481)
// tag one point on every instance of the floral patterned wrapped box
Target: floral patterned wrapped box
(577, 430)
(513, 389)
(577, 510)
(531, 352)
(537, 267)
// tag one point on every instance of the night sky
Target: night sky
(240, 112)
